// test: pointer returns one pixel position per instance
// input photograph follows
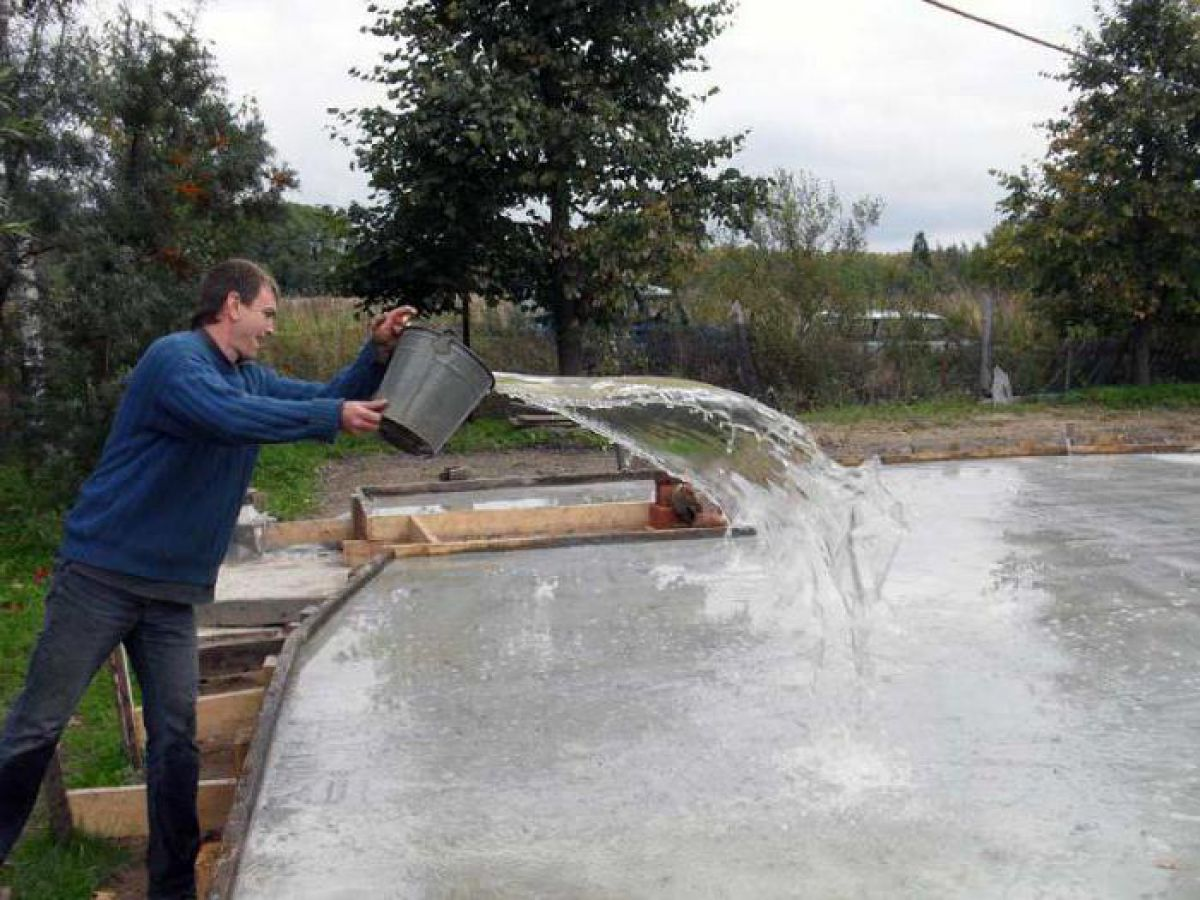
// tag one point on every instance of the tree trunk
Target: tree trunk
(563, 298)
(985, 345)
(466, 319)
(27, 301)
(1140, 340)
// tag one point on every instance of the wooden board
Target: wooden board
(220, 718)
(120, 812)
(233, 656)
(253, 613)
(479, 524)
(306, 531)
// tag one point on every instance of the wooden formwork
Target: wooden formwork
(244, 667)
(380, 538)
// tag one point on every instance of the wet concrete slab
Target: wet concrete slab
(1017, 714)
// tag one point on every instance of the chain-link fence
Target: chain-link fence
(825, 367)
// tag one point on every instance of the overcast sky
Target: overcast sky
(887, 97)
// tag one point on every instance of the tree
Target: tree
(46, 155)
(538, 151)
(804, 216)
(302, 249)
(157, 176)
(1109, 224)
(920, 257)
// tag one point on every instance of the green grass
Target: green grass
(44, 870)
(30, 525)
(1158, 396)
(952, 410)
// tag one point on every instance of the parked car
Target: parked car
(876, 328)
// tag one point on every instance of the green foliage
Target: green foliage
(537, 153)
(156, 175)
(302, 249)
(920, 256)
(953, 410)
(1108, 226)
(1157, 396)
(804, 216)
(44, 870)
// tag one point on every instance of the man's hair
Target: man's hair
(238, 275)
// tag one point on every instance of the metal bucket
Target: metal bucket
(432, 384)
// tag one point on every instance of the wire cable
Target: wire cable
(1007, 29)
(1050, 45)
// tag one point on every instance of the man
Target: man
(143, 543)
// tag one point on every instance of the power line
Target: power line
(1007, 29)
(1050, 45)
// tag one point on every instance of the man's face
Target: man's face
(252, 322)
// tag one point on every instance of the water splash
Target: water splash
(830, 531)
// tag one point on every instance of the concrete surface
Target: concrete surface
(1016, 717)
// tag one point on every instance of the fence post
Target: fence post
(985, 345)
(747, 374)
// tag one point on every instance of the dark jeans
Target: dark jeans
(85, 620)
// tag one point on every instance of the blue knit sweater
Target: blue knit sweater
(164, 498)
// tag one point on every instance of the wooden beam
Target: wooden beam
(54, 799)
(253, 613)
(421, 531)
(118, 665)
(477, 524)
(358, 515)
(359, 553)
(219, 717)
(233, 656)
(530, 542)
(306, 531)
(120, 812)
(393, 529)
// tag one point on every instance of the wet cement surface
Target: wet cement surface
(1016, 716)
(515, 497)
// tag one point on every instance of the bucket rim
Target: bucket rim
(439, 332)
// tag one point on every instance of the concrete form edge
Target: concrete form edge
(250, 781)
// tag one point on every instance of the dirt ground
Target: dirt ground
(998, 434)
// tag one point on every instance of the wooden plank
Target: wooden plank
(529, 542)
(253, 613)
(233, 656)
(118, 665)
(541, 420)
(306, 531)
(54, 799)
(358, 515)
(394, 529)
(421, 530)
(120, 812)
(459, 526)
(359, 553)
(472, 524)
(219, 717)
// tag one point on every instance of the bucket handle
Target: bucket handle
(445, 343)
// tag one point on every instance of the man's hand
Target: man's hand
(386, 328)
(362, 416)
